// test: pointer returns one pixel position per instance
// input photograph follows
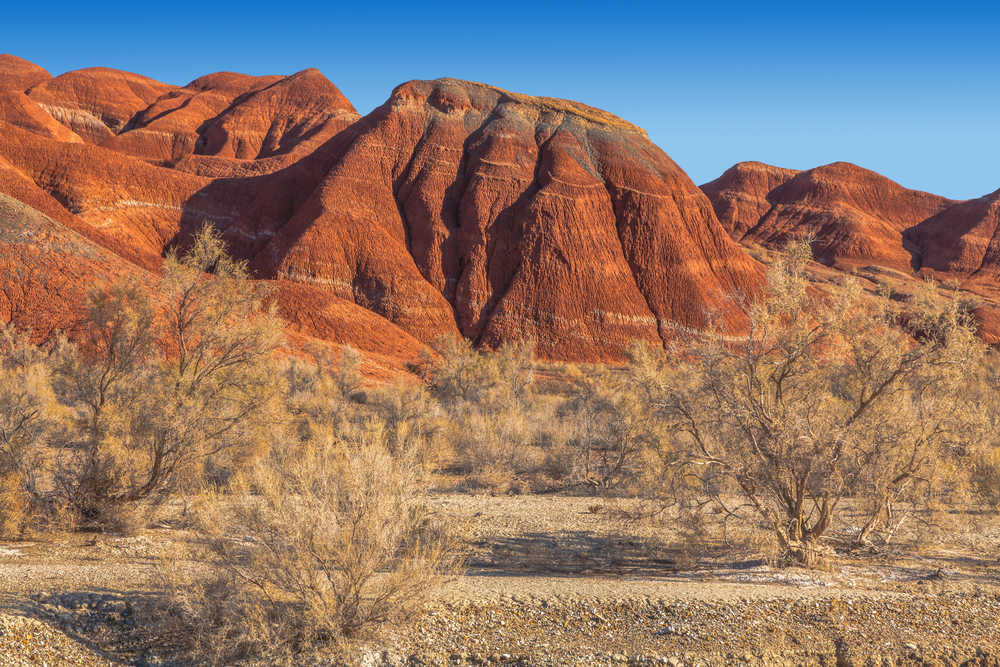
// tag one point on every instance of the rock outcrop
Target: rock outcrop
(19, 110)
(453, 208)
(855, 215)
(229, 115)
(460, 207)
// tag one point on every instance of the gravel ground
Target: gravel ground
(552, 581)
(29, 642)
(951, 628)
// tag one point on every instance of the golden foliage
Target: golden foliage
(326, 539)
(827, 397)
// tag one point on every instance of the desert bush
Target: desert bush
(986, 475)
(492, 410)
(415, 424)
(329, 540)
(327, 399)
(29, 412)
(323, 397)
(167, 390)
(610, 429)
(827, 397)
(463, 375)
(986, 458)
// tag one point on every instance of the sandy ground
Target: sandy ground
(562, 580)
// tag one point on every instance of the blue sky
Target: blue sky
(907, 89)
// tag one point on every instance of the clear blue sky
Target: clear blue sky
(907, 89)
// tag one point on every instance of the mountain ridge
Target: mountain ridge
(454, 207)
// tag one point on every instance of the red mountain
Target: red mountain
(19, 74)
(47, 269)
(859, 218)
(458, 206)
(855, 215)
(962, 240)
(453, 207)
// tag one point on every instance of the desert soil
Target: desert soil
(562, 580)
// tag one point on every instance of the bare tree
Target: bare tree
(167, 384)
(828, 396)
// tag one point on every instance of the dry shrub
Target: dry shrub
(464, 375)
(415, 425)
(825, 399)
(322, 398)
(329, 540)
(986, 475)
(168, 390)
(29, 414)
(610, 430)
(495, 418)
(328, 399)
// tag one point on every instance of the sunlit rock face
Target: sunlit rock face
(454, 207)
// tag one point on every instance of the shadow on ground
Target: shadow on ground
(113, 623)
(586, 553)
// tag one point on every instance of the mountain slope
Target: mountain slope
(458, 206)
(856, 216)
(47, 270)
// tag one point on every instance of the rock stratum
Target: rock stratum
(858, 218)
(453, 208)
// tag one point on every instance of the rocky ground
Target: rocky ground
(556, 580)
(948, 628)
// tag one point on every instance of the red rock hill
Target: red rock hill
(458, 206)
(455, 207)
(18, 74)
(858, 217)
(962, 240)
(855, 215)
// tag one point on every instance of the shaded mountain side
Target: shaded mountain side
(962, 240)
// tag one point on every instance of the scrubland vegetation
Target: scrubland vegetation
(303, 483)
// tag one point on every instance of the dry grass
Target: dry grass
(320, 542)
(838, 426)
